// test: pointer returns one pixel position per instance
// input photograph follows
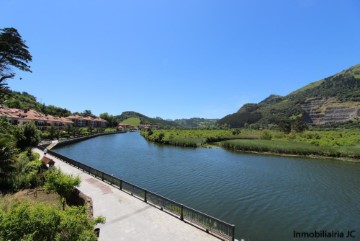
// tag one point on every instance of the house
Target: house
(148, 126)
(125, 126)
(86, 121)
(42, 121)
(59, 121)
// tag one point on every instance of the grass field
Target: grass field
(134, 121)
(335, 143)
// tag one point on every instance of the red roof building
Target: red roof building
(42, 121)
(125, 126)
(87, 121)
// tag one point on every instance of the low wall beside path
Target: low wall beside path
(78, 139)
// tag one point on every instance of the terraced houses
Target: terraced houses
(42, 121)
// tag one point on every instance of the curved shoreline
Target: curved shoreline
(272, 153)
(345, 159)
(218, 145)
(78, 139)
(295, 149)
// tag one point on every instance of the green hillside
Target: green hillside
(133, 121)
(23, 100)
(311, 104)
(200, 123)
(132, 115)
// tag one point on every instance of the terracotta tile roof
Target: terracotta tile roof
(122, 124)
(33, 115)
(99, 119)
(75, 117)
(30, 115)
(86, 118)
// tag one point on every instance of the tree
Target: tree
(285, 125)
(111, 120)
(87, 113)
(7, 162)
(54, 133)
(27, 135)
(298, 125)
(13, 53)
(7, 153)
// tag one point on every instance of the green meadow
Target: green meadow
(334, 143)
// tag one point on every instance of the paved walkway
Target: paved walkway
(53, 143)
(128, 218)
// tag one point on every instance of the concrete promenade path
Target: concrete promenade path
(128, 218)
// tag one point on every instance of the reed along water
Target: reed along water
(266, 197)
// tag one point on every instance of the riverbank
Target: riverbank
(253, 192)
(284, 154)
(64, 142)
(342, 145)
(279, 147)
(128, 218)
(78, 139)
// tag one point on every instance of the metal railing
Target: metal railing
(201, 220)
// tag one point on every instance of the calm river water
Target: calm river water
(266, 197)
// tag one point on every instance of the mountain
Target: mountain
(335, 99)
(196, 122)
(164, 124)
(135, 117)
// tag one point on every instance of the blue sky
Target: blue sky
(179, 59)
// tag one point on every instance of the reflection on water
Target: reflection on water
(266, 197)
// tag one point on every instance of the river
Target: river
(266, 197)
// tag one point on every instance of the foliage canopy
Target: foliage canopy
(23, 221)
(13, 53)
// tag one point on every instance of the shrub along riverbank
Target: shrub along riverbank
(20, 169)
(291, 148)
(334, 143)
(186, 138)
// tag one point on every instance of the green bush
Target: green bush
(265, 135)
(59, 182)
(187, 138)
(24, 221)
(28, 171)
(30, 176)
(108, 130)
(282, 147)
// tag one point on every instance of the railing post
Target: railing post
(182, 212)
(112, 179)
(102, 176)
(145, 196)
(89, 170)
(120, 185)
(233, 237)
